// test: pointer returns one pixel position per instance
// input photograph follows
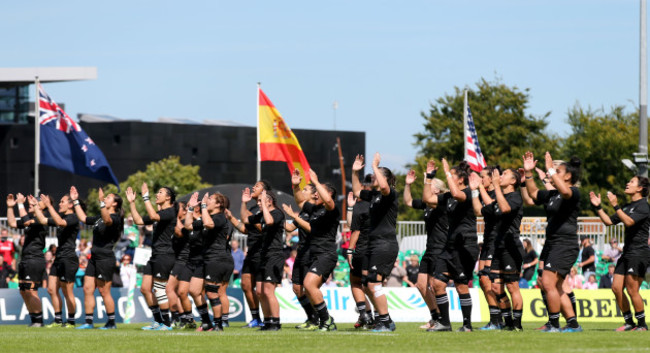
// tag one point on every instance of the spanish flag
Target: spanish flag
(277, 141)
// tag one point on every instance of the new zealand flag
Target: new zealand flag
(65, 146)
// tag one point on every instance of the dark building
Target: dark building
(225, 153)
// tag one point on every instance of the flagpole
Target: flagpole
(259, 162)
(37, 137)
(465, 104)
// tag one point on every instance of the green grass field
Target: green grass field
(407, 338)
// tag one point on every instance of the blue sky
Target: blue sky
(382, 61)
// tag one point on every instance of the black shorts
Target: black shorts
(487, 250)
(459, 264)
(507, 261)
(218, 270)
(632, 265)
(561, 257)
(102, 268)
(299, 272)
(252, 267)
(428, 262)
(196, 269)
(323, 264)
(359, 263)
(161, 266)
(181, 271)
(380, 263)
(32, 270)
(271, 270)
(65, 269)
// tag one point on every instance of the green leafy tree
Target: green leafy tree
(166, 172)
(601, 139)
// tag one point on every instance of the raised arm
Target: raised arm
(428, 194)
(74, 196)
(106, 217)
(529, 166)
(244, 213)
(410, 179)
(384, 188)
(504, 206)
(524, 193)
(208, 223)
(298, 195)
(564, 189)
(268, 217)
(151, 211)
(235, 223)
(38, 212)
(296, 218)
(455, 191)
(189, 216)
(11, 217)
(323, 193)
(627, 220)
(130, 196)
(351, 202)
(474, 182)
(597, 206)
(357, 166)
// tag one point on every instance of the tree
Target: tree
(601, 139)
(165, 172)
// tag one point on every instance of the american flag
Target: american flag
(473, 154)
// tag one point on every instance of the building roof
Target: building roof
(27, 75)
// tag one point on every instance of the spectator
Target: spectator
(84, 248)
(412, 270)
(397, 276)
(7, 248)
(127, 271)
(49, 260)
(530, 261)
(288, 264)
(330, 283)
(345, 238)
(81, 271)
(607, 279)
(613, 253)
(238, 256)
(588, 259)
(147, 236)
(572, 281)
(132, 233)
(52, 249)
(6, 273)
(591, 282)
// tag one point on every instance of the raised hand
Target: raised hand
(130, 195)
(351, 199)
(445, 166)
(431, 166)
(46, 200)
(296, 178)
(20, 198)
(227, 213)
(145, 189)
(613, 200)
(32, 200)
(263, 197)
(376, 159)
(100, 195)
(522, 176)
(358, 163)
(74, 194)
(594, 199)
(496, 177)
(312, 176)
(410, 177)
(11, 201)
(529, 161)
(540, 173)
(194, 200)
(288, 210)
(474, 181)
(246, 195)
(549, 160)
(205, 198)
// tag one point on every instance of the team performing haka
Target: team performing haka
(191, 247)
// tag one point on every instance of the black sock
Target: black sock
(506, 314)
(71, 320)
(435, 315)
(572, 322)
(217, 321)
(38, 317)
(309, 310)
(517, 314)
(628, 318)
(224, 318)
(494, 314)
(443, 305)
(189, 317)
(205, 316)
(175, 316)
(155, 310)
(361, 306)
(640, 318)
(554, 319)
(572, 297)
(545, 301)
(323, 314)
(466, 308)
(165, 317)
(384, 319)
(89, 318)
(111, 319)
(57, 317)
(32, 317)
(255, 313)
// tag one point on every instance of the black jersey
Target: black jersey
(506, 225)
(361, 222)
(562, 214)
(490, 230)
(163, 232)
(215, 240)
(636, 236)
(181, 246)
(383, 217)
(254, 238)
(66, 236)
(196, 241)
(105, 237)
(35, 234)
(435, 223)
(304, 240)
(272, 244)
(461, 217)
(324, 227)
